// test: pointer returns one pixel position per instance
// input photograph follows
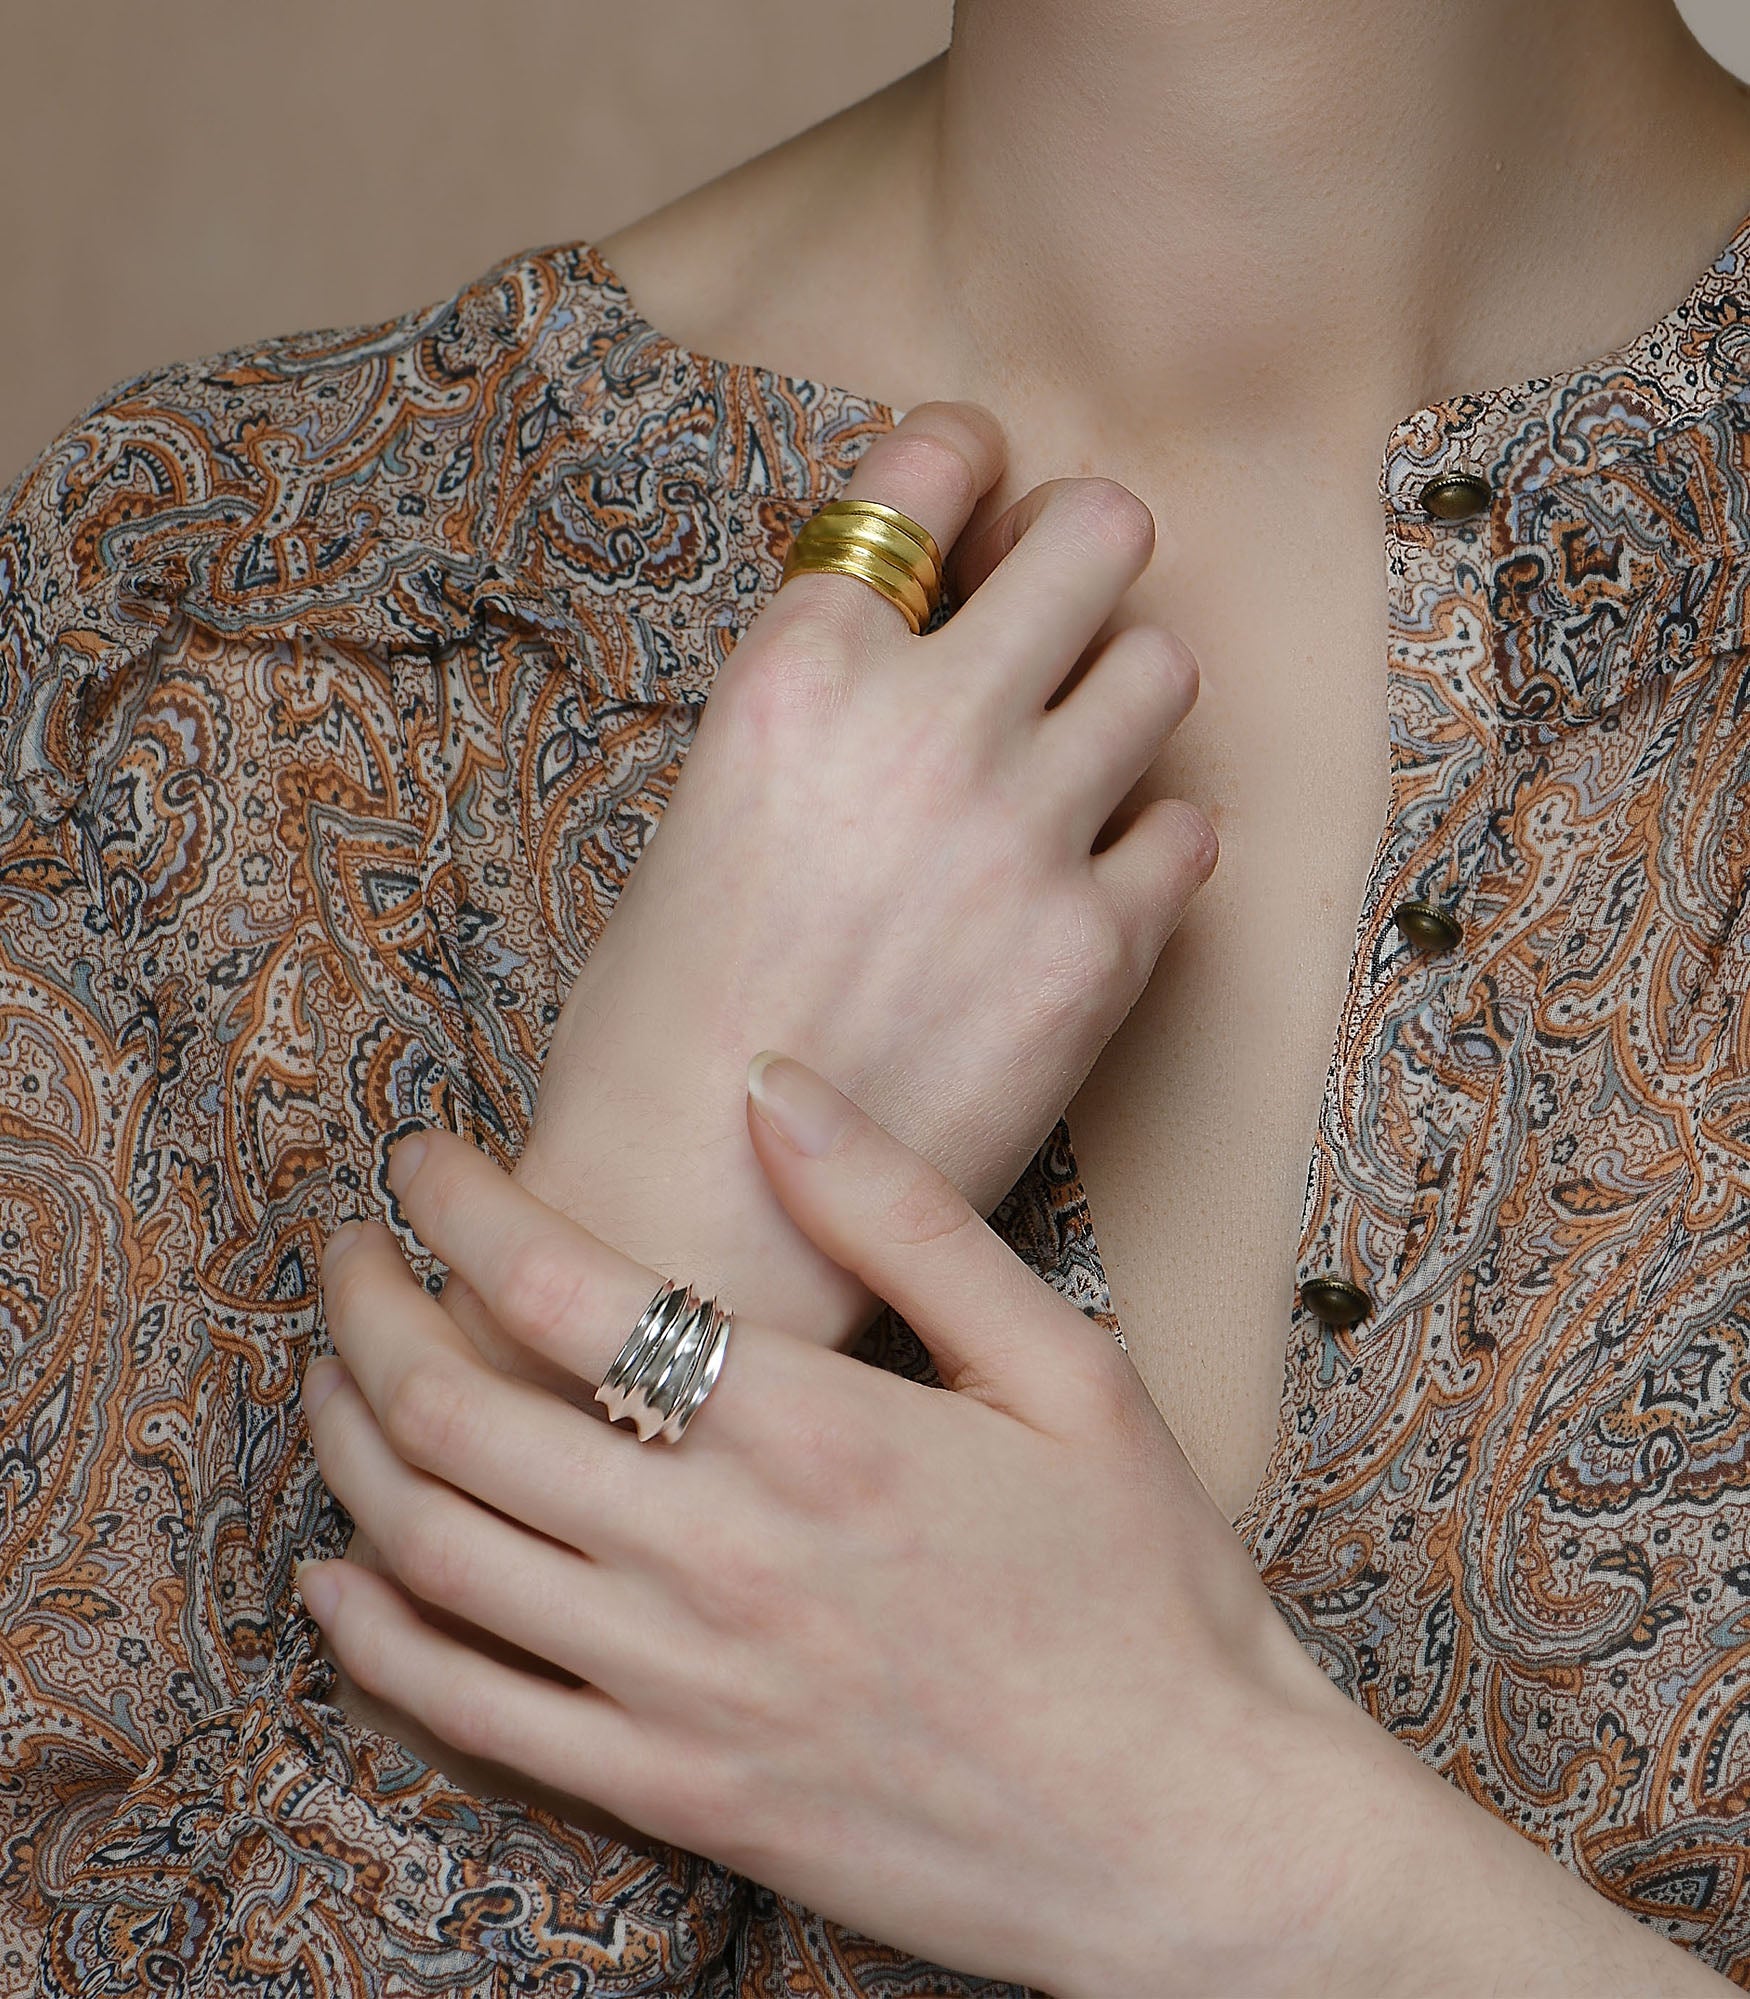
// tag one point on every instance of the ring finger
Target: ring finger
(934, 466)
(573, 1299)
(445, 1550)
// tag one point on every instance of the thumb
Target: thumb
(994, 1328)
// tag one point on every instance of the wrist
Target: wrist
(1481, 1908)
(698, 1209)
(1411, 1889)
(1347, 1853)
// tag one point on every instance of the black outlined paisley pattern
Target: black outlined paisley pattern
(344, 677)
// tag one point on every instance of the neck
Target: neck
(1210, 219)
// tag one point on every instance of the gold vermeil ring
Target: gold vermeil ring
(836, 511)
(878, 543)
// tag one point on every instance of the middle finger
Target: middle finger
(574, 1299)
(1046, 577)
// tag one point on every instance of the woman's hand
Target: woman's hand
(983, 1673)
(881, 853)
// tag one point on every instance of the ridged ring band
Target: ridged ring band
(669, 1364)
(877, 543)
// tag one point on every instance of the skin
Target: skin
(1298, 223)
(1292, 245)
(1290, 248)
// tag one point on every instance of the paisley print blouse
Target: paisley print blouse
(344, 676)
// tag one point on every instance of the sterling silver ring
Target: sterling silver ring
(669, 1364)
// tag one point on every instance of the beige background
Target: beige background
(182, 175)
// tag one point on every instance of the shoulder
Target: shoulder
(364, 483)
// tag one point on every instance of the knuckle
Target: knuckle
(926, 1207)
(426, 1415)
(1100, 1375)
(472, 1725)
(788, 677)
(928, 461)
(830, 1466)
(744, 1683)
(1118, 516)
(1100, 954)
(737, 1591)
(428, 1558)
(939, 758)
(543, 1291)
(1084, 978)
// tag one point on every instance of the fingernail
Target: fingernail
(344, 1238)
(316, 1585)
(801, 1107)
(321, 1378)
(404, 1161)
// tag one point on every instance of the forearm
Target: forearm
(666, 1173)
(1390, 1883)
(1484, 1910)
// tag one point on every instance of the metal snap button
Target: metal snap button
(1334, 1301)
(1456, 496)
(1427, 926)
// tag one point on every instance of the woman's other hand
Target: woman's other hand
(883, 852)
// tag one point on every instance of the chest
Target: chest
(1194, 1130)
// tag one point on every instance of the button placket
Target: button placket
(1331, 1289)
(1458, 501)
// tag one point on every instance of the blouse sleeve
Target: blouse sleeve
(314, 789)
(221, 989)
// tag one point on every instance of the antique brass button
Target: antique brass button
(1427, 926)
(1335, 1301)
(1455, 496)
